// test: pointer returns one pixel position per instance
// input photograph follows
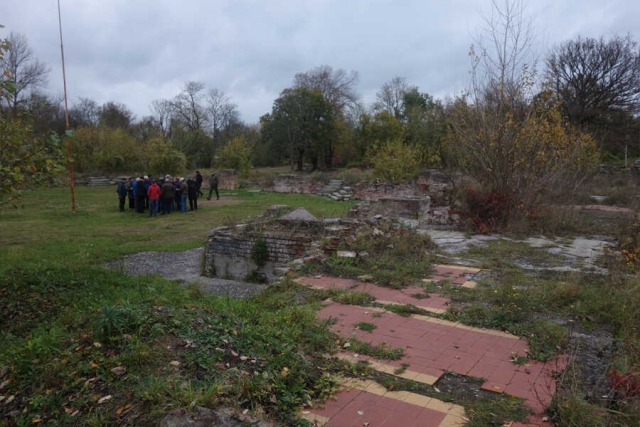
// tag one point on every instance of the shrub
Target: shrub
(394, 160)
(236, 154)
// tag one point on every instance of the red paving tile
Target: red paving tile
(356, 407)
(432, 348)
(404, 296)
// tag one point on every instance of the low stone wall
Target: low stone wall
(419, 212)
(427, 184)
(297, 184)
(394, 207)
(228, 252)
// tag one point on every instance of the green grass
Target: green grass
(68, 322)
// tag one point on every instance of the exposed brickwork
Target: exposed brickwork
(223, 242)
(298, 184)
(227, 179)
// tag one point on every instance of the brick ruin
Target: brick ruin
(288, 234)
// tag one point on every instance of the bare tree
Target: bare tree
(503, 62)
(25, 72)
(594, 77)
(391, 97)
(162, 113)
(221, 113)
(188, 106)
(337, 86)
(85, 112)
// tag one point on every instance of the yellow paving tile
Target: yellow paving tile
(376, 388)
(452, 421)
(418, 400)
(439, 405)
(387, 369)
(318, 420)
(397, 395)
(457, 410)
(469, 284)
(408, 375)
(425, 379)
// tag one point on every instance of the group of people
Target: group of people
(166, 194)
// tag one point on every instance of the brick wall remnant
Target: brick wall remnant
(228, 252)
(227, 179)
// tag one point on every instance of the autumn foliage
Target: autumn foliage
(518, 152)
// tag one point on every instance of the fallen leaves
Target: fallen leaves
(119, 370)
(104, 399)
(123, 408)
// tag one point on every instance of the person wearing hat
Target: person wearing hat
(213, 185)
(167, 195)
(184, 193)
(141, 195)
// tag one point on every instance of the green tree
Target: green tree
(27, 160)
(236, 155)
(300, 123)
(163, 158)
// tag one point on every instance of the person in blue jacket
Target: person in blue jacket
(122, 193)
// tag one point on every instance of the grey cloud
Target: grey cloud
(137, 51)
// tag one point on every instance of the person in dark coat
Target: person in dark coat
(141, 195)
(213, 185)
(178, 195)
(199, 180)
(193, 194)
(122, 193)
(132, 199)
(168, 195)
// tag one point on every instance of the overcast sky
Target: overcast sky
(135, 51)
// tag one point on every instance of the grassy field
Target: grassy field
(83, 345)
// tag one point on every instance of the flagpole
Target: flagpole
(68, 132)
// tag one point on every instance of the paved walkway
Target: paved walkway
(431, 347)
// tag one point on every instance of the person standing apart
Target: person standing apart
(193, 194)
(122, 193)
(153, 193)
(199, 180)
(184, 193)
(213, 185)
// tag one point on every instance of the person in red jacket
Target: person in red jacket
(153, 193)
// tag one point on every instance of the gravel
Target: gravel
(184, 267)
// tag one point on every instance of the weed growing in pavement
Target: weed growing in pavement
(380, 351)
(402, 369)
(405, 310)
(348, 297)
(482, 408)
(365, 326)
